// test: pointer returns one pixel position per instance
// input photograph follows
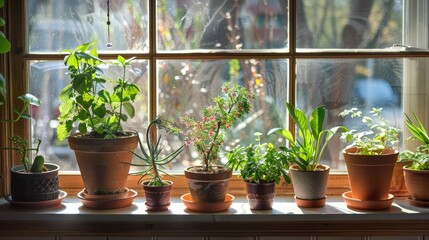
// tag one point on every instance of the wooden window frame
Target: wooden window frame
(71, 182)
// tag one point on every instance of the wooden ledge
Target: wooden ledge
(286, 219)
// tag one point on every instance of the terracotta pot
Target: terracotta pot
(260, 195)
(104, 163)
(417, 183)
(157, 198)
(397, 186)
(370, 175)
(34, 187)
(310, 186)
(208, 186)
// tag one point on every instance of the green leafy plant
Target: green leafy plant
(419, 157)
(306, 149)
(21, 146)
(153, 163)
(259, 163)
(27, 100)
(87, 100)
(4, 48)
(207, 134)
(378, 135)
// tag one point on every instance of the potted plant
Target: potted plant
(261, 166)
(370, 160)
(305, 150)
(416, 175)
(209, 182)
(157, 190)
(98, 106)
(33, 183)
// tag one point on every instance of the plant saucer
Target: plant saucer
(94, 197)
(107, 203)
(38, 204)
(367, 204)
(417, 203)
(157, 207)
(208, 207)
(310, 203)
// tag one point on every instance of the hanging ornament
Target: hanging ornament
(109, 43)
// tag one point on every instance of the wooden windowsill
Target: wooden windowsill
(286, 219)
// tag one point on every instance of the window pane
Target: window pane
(365, 24)
(222, 24)
(345, 83)
(47, 78)
(54, 25)
(187, 86)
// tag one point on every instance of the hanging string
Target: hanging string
(109, 43)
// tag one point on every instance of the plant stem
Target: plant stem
(121, 99)
(207, 157)
(152, 151)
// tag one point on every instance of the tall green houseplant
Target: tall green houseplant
(98, 106)
(87, 100)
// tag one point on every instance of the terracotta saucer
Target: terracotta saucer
(107, 203)
(310, 203)
(39, 204)
(207, 207)
(367, 205)
(88, 196)
(157, 207)
(417, 202)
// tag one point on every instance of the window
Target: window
(336, 53)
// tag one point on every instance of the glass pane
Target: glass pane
(222, 24)
(47, 78)
(345, 83)
(349, 24)
(54, 25)
(186, 86)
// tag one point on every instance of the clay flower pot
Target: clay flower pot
(310, 186)
(208, 186)
(370, 175)
(157, 198)
(417, 184)
(260, 195)
(104, 163)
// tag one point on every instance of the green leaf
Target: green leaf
(132, 90)
(64, 129)
(85, 100)
(298, 116)
(2, 22)
(71, 62)
(317, 118)
(124, 117)
(66, 108)
(121, 60)
(80, 83)
(65, 93)
(4, 43)
(1, 3)
(129, 108)
(30, 99)
(105, 95)
(284, 133)
(83, 115)
(99, 111)
(82, 128)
